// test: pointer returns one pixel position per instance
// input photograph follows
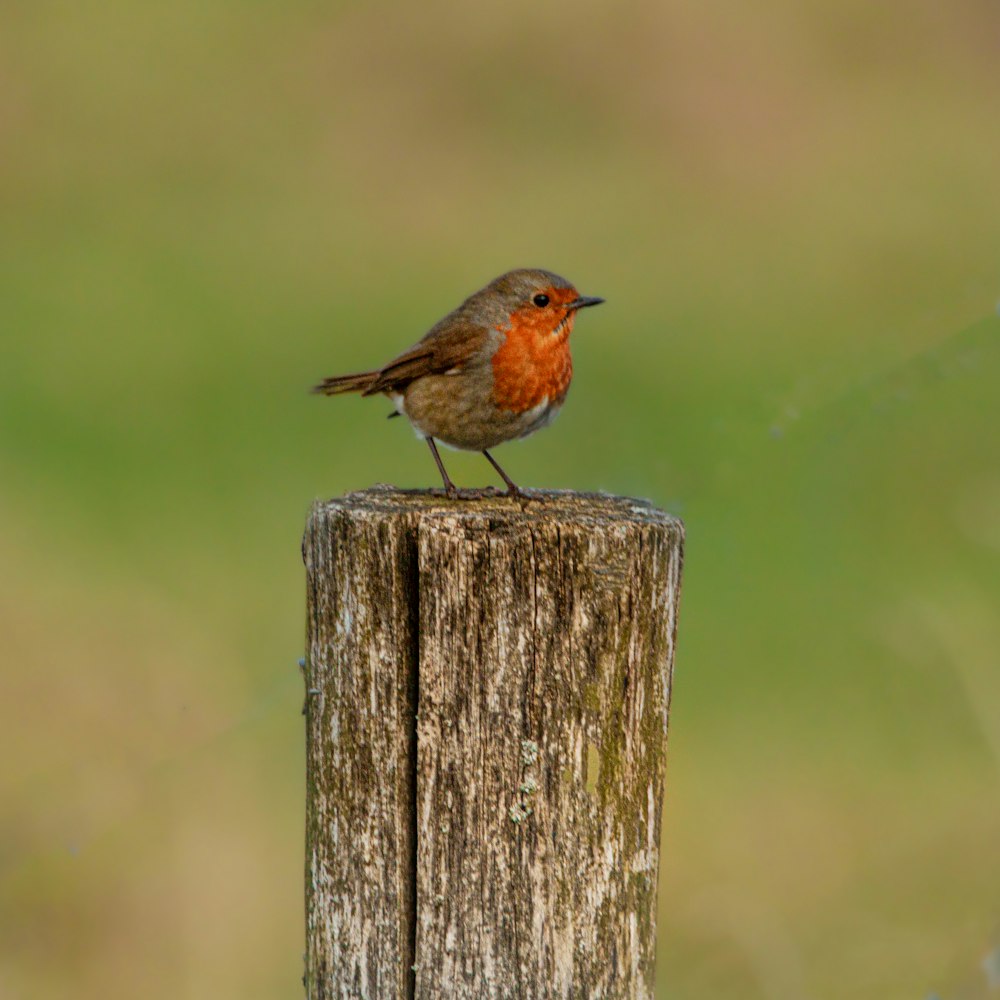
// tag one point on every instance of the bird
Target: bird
(495, 369)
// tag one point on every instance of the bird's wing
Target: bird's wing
(442, 350)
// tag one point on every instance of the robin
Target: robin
(495, 369)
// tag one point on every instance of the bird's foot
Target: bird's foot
(519, 496)
(515, 493)
(455, 493)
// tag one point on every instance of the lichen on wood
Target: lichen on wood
(486, 743)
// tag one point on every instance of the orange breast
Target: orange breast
(532, 364)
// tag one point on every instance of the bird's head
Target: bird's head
(535, 300)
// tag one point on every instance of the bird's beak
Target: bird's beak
(583, 302)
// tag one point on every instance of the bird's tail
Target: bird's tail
(337, 384)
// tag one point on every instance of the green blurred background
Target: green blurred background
(793, 210)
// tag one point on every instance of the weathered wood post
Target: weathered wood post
(487, 698)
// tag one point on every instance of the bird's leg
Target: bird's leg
(449, 486)
(513, 490)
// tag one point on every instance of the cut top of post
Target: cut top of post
(551, 506)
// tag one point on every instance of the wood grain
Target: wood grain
(505, 842)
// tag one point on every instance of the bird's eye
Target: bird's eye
(541, 300)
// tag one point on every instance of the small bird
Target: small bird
(496, 368)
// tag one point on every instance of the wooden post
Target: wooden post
(487, 698)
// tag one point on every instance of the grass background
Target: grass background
(793, 210)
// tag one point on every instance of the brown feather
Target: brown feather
(448, 345)
(337, 384)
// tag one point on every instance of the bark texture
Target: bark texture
(487, 719)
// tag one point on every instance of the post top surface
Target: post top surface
(564, 506)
